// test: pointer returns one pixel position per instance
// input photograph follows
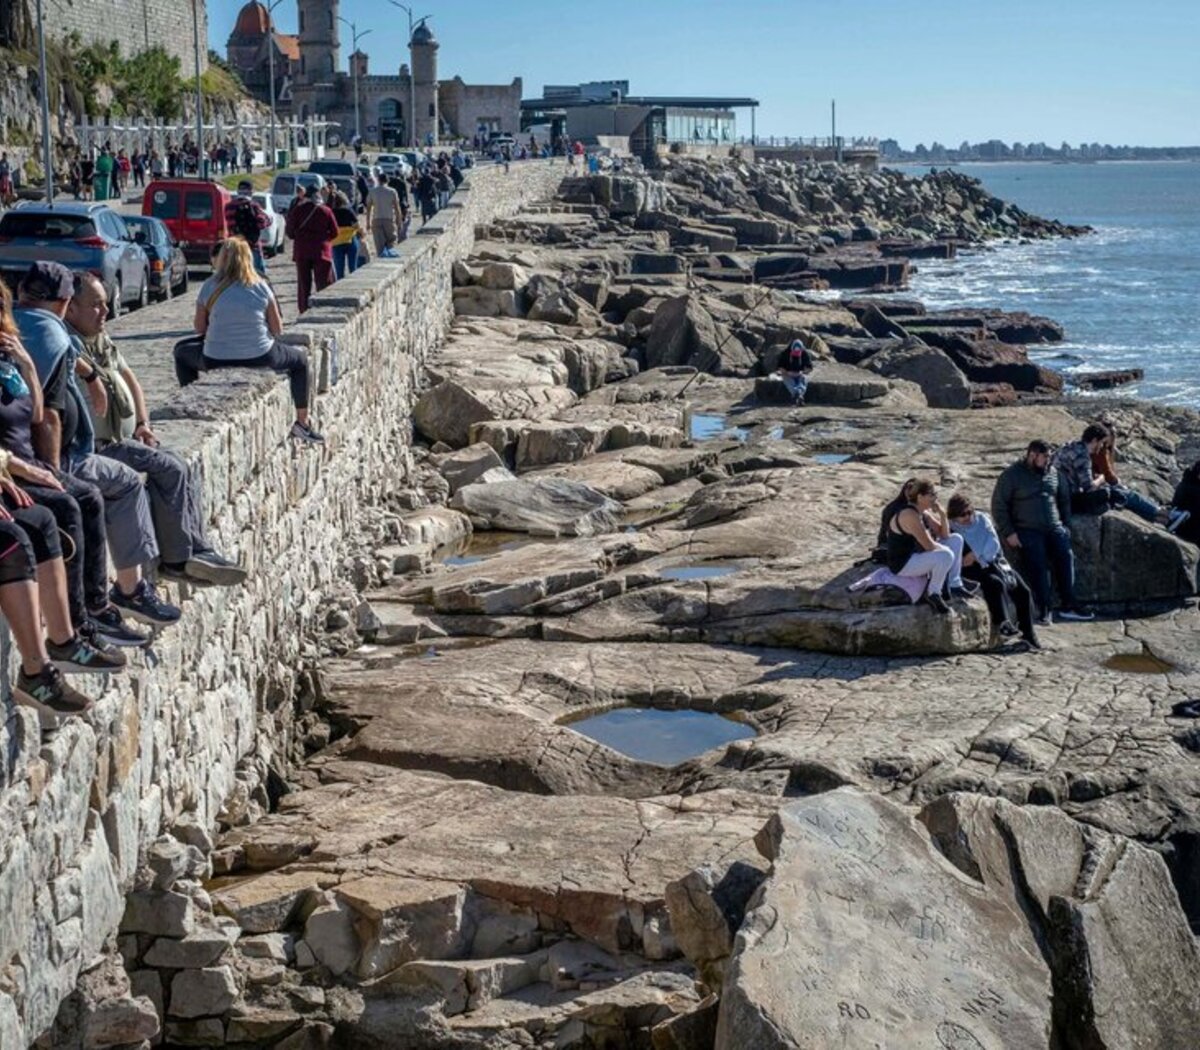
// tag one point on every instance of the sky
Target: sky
(1109, 71)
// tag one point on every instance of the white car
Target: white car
(392, 164)
(272, 237)
(283, 189)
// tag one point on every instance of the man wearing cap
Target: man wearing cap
(794, 365)
(247, 220)
(65, 439)
(123, 433)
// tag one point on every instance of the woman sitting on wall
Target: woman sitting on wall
(919, 543)
(238, 316)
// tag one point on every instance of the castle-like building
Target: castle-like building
(309, 82)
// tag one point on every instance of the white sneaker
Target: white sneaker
(1177, 518)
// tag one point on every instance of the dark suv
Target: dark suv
(81, 236)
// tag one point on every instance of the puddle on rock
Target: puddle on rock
(1144, 662)
(708, 571)
(664, 738)
(831, 458)
(705, 426)
(483, 545)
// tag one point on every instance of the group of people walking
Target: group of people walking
(958, 550)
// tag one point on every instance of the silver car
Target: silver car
(81, 236)
(283, 189)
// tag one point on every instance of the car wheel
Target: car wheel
(114, 300)
(143, 296)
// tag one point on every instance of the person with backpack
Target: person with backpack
(794, 365)
(247, 220)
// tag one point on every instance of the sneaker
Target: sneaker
(303, 432)
(108, 626)
(83, 657)
(48, 693)
(1075, 615)
(1008, 629)
(210, 567)
(1043, 620)
(1024, 645)
(145, 605)
(1177, 518)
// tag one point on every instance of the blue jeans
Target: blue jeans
(260, 264)
(345, 258)
(797, 384)
(1042, 552)
(1134, 501)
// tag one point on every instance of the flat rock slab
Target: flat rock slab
(865, 935)
(542, 506)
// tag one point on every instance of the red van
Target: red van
(194, 211)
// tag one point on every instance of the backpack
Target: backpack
(245, 219)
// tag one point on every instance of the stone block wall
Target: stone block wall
(137, 24)
(189, 734)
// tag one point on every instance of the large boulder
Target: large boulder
(1122, 560)
(684, 333)
(542, 506)
(467, 466)
(446, 412)
(476, 301)
(940, 380)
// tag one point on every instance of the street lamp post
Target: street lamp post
(47, 152)
(271, 73)
(356, 36)
(412, 74)
(200, 156)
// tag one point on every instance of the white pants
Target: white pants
(942, 563)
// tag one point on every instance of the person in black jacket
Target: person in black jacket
(1187, 500)
(1031, 505)
(794, 365)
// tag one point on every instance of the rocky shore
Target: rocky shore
(929, 839)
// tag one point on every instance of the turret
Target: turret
(425, 83)
(318, 40)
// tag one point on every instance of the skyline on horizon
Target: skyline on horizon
(1080, 72)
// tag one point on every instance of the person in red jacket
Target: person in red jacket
(312, 228)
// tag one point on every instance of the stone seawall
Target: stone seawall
(161, 23)
(196, 727)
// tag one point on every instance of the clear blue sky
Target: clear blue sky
(1114, 71)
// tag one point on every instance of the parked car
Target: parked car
(415, 161)
(390, 164)
(168, 267)
(272, 237)
(82, 236)
(194, 211)
(339, 172)
(283, 189)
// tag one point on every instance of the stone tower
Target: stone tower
(318, 41)
(425, 83)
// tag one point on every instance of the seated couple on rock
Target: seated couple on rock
(916, 534)
(1086, 467)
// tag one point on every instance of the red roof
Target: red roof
(252, 20)
(289, 45)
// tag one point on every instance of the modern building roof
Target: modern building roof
(656, 101)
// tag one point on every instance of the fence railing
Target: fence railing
(813, 142)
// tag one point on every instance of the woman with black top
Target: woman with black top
(345, 244)
(912, 551)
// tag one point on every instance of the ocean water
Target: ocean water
(1128, 295)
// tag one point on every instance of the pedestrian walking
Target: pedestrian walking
(312, 228)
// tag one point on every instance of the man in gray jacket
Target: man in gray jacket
(1031, 505)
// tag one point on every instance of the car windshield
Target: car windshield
(387, 158)
(310, 180)
(45, 225)
(331, 167)
(153, 231)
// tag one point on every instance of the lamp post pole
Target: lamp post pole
(355, 36)
(412, 75)
(201, 160)
(47, 151)
(271, 73)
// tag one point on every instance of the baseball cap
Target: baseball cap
(48, 282)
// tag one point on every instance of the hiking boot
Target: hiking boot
(48, 693)
(210, 567)
(303, 432)
(937, 603)
(1075, 616)
(1177, 518)
(145, 606)
(78, 655)
(107, 626)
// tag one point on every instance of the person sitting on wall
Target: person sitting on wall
(1031, 505)
(919, 543)
(794, 365)
(985, 564)
(65, 441)
(123, 433)
(238, 317)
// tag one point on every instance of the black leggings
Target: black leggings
(992, 582)
(16, 554)
(78, 511)
(190, 361)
